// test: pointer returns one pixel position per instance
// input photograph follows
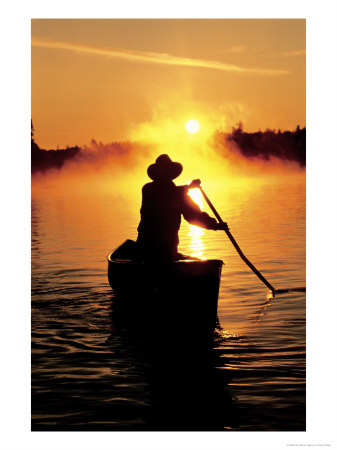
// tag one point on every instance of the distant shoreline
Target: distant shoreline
(264, 145)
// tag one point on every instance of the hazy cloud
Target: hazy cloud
(152, 57)
(237, 49)
(294, 53)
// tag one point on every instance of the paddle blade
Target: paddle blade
(284, 291)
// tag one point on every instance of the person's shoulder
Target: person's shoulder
(182, 189)
(148, 187)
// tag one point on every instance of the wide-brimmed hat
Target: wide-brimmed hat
(164, 169)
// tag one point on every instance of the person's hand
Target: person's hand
(194, 184)
(223, 226)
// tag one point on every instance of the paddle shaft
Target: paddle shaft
(233, 241)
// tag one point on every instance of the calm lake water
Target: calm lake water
(90, 371)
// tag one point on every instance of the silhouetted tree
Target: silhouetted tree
(34, 146)
(43, 160)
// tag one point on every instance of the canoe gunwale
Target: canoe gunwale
(153, 262)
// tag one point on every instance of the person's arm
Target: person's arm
(193, 214)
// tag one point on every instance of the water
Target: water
(90, 371)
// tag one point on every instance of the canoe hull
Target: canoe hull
(179, 297)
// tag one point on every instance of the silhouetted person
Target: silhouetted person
(163, 203)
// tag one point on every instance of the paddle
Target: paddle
(237, 248)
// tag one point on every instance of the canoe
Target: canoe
(180, 295)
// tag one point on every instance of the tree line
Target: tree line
(44, 160)
(285, 145)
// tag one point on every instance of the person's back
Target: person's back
(163, 203)
(160, 220)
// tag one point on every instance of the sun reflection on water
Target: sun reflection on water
(195, 233)
(229, 335)
(196, 243)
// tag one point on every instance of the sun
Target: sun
(192, 126)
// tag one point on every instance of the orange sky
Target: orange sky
(106, 79)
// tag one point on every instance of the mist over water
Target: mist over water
(121, 167)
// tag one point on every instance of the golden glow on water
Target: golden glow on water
(196, 244)
(74, 225)
(195, 233)
(227, 334)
